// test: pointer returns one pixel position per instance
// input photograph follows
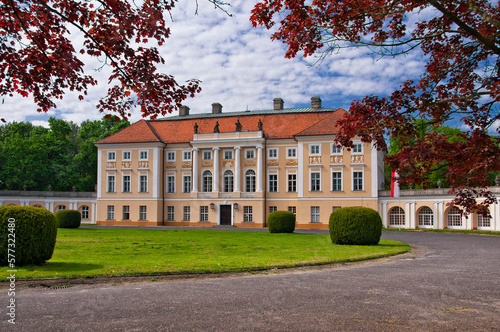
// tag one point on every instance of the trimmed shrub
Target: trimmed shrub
(355, 226)
(35, 232)
(281, 222)
(68, 218)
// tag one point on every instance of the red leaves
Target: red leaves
(48, 66)
(461, 80)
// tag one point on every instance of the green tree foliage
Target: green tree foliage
(62, 156)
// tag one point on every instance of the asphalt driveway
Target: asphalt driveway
(450, 283)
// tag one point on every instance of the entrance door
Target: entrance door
(225, 215)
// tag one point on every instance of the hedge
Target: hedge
(68, 218)
(281, 222)
(31, 233)
(355, 226)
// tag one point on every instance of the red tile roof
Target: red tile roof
(276, 124)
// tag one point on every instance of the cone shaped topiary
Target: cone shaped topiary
(355, 226)
(29, 232)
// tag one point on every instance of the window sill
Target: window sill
(315, 222)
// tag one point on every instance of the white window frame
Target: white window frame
(228, 154)
(249, 151)
(129, 183)
(313, 147)
(454, 217)
(187, 213)
(311, 172)
(126, 209)
(272, 153)
(227, 186)
(247, 214)
(207, 155)
(110, 189)
(170, 213)
(61, 207)
(143, 212)
(187, 155)
(288, 183)
(397, 217)
(252, 186)
(111, 155)
(335, 151)
(269, 187)
(315, 215)
(425, 219)
(111, 212)
(272, 209)
(140, 183)
(341, 171)
(203, 213)
(85, 212)
(170, 155)
(170, 183)
(482, 221)
(125, 158)
(143, 155)
(207, 187)
(355, 150)
(184, 182)
(362, 171)
(292, 209)
(288, 152)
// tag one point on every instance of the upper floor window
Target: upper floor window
(292, 182)
(186, 155)
(186, 186)
(228, 154)
(207, 181)
(143, 155)
(171, 156)
(357, 148)
(127, 156)
(207, 155)
(336, 181)
(272, 153)
(228, 181)
(291, 153)
(250, 154)
(357, 181)
(111, 155)
(250, 181)
(314, 149)
(170, 184)
(111, 183)
(336, 149)
(126, 184)
(273, 183)
(143, 183)
(315, 181)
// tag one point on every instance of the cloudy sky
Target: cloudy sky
(241, 68)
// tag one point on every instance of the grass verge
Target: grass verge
(90, 252)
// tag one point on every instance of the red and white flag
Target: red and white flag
(394, 184)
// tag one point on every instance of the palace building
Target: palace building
(234, 168)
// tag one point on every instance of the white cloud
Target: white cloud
(240, 67)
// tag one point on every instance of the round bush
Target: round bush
(281, 222)
(356, 226)
(68, 218)
(34, 231)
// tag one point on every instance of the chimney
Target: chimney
(183, 110)
(278, 103)
(216, 108)
(315, 102)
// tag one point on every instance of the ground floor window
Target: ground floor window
(483, 222)
(126, 212)
(111, 212)
(187, 213)
(425, 217)
(247, 214)
(454, 217)
(170, 213)
(142, 212)
(396, 216)
(292, 209)
(85, 212)
(203, 213)
(314, 213)
(61, 207)
(335, 208)
(273, 208)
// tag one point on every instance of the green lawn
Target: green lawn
(86, 252)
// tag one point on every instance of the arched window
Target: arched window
(396, 216)
(228, 181)
(85, 212)
(61, 207)
(37, 205)
(425, 217)
(207, 181)
(454, 217)
(250, 181)
(483, 222)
